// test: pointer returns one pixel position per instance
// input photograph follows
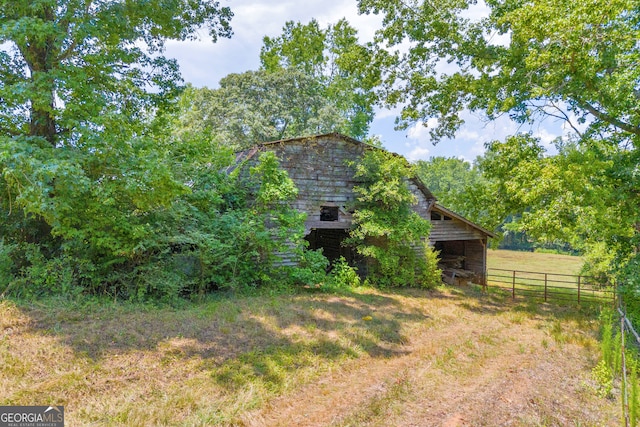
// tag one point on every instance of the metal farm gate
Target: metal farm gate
(550, 286)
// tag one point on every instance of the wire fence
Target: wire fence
(579, 289)
(550, 286)
(627, 326)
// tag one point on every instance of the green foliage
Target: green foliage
(73, 71)
(460, 187)
(85, 169)
(386, 229)
(572, 61)
(607, 337)
(610, 368)
(431, 274)
(576, 196)
(228, 232)
(603, 377)
(310, 82)
(333, 58)
(259, 106)
(6, 263)
(527, 59)
(311, 269)
(224, 233)
(344, 275)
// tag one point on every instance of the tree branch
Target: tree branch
(563, 116)
(609, 119)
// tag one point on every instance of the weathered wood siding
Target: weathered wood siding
(474, 253)
(423, 205)
(318, 166)
(454, 229)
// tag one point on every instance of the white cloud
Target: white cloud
(418, 153)
(420, 132)
(546, 137)
(468, 133)
(204, 63)
(383, 113)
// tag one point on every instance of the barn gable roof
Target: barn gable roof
(251, 152)
(243, 156)
(439, 208)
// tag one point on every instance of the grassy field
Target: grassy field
(545, 276)
(534, 261)
(365, 357)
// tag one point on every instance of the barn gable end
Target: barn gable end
(319, 167)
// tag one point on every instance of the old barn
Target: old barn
(319, 167)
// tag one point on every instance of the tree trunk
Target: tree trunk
(43, 125)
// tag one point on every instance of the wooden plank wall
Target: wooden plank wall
(319, 169)
(454, 229)
(474, 253)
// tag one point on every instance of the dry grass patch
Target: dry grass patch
(366, 357)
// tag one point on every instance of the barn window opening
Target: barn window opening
(435, 216)
(447, 218)
(328, 213)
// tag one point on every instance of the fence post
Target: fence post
(513, 289)
(545, 287)
(579, 277)
(625, 396)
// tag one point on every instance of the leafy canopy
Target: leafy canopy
(75, 68)
(573, 61)
(333, 57)
(83, 162)
(576, 60)
(258, 106)
(579, 196)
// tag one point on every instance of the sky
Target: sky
(203, 63)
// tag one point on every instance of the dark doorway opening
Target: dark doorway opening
(330, 241)
(452, 254)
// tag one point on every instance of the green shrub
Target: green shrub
(311, 269)
(603, 377)
(6, 265)
(42, 276)
(431, 274)
(343, 275)
(386, 230)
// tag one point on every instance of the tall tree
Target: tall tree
(258, 106)
(579, 195)
(335, 59)
(544, 57)
(72, 65)
(80, 165)
(573, 61)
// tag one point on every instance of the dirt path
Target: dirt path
(470, 364)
